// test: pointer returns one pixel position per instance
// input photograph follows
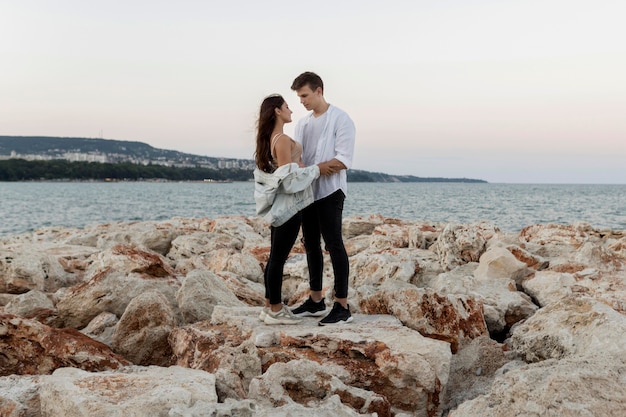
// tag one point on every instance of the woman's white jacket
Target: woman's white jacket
(282, 194)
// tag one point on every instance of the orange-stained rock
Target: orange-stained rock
(141, 333)
(120, 274)
(532, 261)
(375, 353)
(430, 279)
(459, 244)
(455, 319)
(566, 234)
(147, 263)
(227, 352)
(29, 347)
(308, 382)
(131, 391)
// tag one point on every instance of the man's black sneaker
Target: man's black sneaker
(338, 315)
(310, 308)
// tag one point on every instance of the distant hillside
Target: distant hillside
(355, 175)
(119, 151)
(45, 145)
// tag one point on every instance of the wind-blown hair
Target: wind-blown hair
(312, 79)
(265, 126)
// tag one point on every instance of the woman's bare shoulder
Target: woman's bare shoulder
(284, 140)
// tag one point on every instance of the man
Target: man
(327, 136)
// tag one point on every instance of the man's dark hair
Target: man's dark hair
(307, 78)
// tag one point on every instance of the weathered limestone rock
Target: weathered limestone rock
(201, 244)
(19, 396)
(388, 236)
(308, 383)
(358, 225)
(503, 305)
(237, 227)
(545, 234)
(6, 299)
(473, 369)
(555, 295)
(600, 256)
(459, 244)
(131, 259)
(200, 292)
(153, 236)
(219, 251)
(618, 246)
(29, 347)
(456, 319)
(549, 286)
(499, 263)
(129, 391)
(142, 331)
(226, 351)
(554, 388)
(26, 267)
(248, 292)
(101, 328)
(531, 260)
(357, 244)
(229, 408)
(238, 263)
(378, 352)
(574, 326)
(371, 268)
(122, 274)
(33, 304)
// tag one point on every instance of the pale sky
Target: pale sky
(514, 91)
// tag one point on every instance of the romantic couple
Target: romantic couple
(303, 182)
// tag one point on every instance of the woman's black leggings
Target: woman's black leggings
(323, 218)
(282, 240)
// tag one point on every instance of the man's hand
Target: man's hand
(331, 167)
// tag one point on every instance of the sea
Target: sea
(28, 206)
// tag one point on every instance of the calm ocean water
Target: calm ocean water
(26, 206)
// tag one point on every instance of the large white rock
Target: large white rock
(571, 387)
(42, 267)
(549, 286)
(573, 326)
(377, 351)
(29, 304)
(121, 274)
(131, 391)
(141, 333)
(200, 292)
(459, 244)
(503, 304)
(308, 388)
(19, 396)
(499, 263)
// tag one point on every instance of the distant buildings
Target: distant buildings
(100, 157)
(68, 156)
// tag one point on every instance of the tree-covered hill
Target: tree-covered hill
(46, 145)
(22, 170)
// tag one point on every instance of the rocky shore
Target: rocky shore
(456, 320)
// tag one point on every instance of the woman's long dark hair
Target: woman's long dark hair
(265, 127)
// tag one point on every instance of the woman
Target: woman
(282, 189)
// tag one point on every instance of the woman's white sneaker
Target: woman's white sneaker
(283, 316)
(263, 313)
